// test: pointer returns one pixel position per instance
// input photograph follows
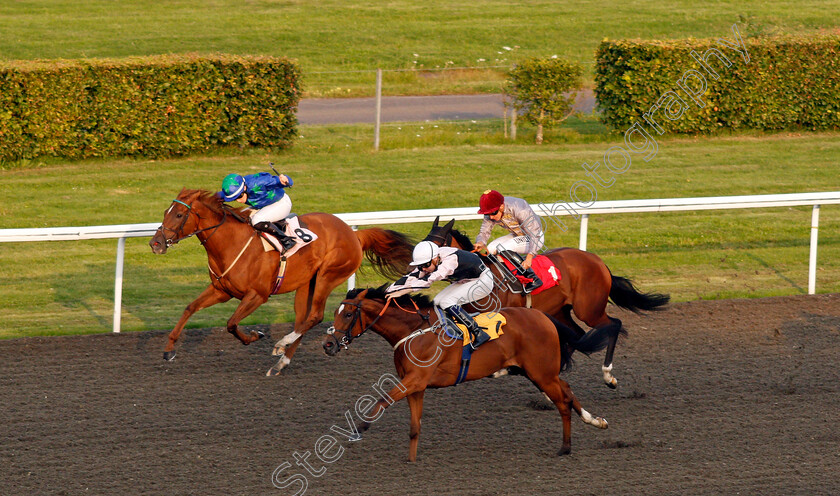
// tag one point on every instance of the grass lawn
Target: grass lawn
(332, 38)
(67, 287)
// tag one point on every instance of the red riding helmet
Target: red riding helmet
(490, 201)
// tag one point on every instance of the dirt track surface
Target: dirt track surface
(717, 397)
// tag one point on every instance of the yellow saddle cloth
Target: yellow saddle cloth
(491, 322)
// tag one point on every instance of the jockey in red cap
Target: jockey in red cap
(525, 230)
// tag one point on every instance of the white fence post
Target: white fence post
(378, 109)
(351, 281)
(812, 262)
(118, 283)
(584, 228)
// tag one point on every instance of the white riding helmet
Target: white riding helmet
(424, 252)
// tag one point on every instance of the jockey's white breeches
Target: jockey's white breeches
(467, 291)
(512, 242)
(275, 212)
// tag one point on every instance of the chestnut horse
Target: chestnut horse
(585, 286)
(241, 268)
(425, 357)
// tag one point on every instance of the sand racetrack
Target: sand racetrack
(714, 397)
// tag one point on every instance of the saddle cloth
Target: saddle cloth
(302, 236)
(491, 322)
(543, 267)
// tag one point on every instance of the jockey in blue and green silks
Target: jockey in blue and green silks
(266, 194)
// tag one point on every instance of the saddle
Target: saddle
(292, 227)
(490, 322)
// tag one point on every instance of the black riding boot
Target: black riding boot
(535, 281)
(287, 241)
(460, 315)
(516, 259)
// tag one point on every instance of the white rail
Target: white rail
(552, 210)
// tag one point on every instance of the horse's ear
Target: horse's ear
(436, 221)
(363, 294)
(449, 224)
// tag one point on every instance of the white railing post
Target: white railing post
(351, 281)
(378, 108)
(812, 262)
(584, 228)
(118, 283)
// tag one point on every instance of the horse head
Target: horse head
(447, 235)
(362, 310)
(182, 219)
(347, 323)
(440, 235)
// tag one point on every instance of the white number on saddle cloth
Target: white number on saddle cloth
(302, 236)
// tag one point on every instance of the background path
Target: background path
(414, 108)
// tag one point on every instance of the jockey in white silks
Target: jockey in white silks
(471, 281)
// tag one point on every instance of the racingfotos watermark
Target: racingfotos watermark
(328, 448)
(638, 140)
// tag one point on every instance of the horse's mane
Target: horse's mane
(379, 293)
(210, 200)
(462, 239)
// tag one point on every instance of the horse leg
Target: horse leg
(302, 304)
(561, 395)
(415, 404)
(311, 305)
(587, 417)
(596, 317)
(250, 302)
(209, 297)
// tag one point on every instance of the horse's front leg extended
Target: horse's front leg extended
(209, 297)
(250, 302)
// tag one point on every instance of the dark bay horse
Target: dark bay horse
(425, 357)
(240, 267)
(585, 287)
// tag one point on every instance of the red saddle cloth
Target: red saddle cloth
(543, 267)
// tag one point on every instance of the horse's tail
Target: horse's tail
(388, 251)
(596, 339)
(625, 295)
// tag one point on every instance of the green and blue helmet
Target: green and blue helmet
(233, 185)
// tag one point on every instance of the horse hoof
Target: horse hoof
(565, 450)
(355, 437)
(272, 372)
(612, 384)
(169, 356)
(500, 373)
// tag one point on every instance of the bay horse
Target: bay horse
(242, 269)
(425, 357)
(586, 285)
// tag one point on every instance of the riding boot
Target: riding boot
(535, 283)
(268, 227)
(516, 260)
(459, 314)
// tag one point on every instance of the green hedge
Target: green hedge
(788, 83)
(151, 106)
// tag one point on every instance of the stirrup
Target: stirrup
(479, 337)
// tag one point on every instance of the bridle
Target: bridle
(444, 240)
(177, 234)
(347, 336)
